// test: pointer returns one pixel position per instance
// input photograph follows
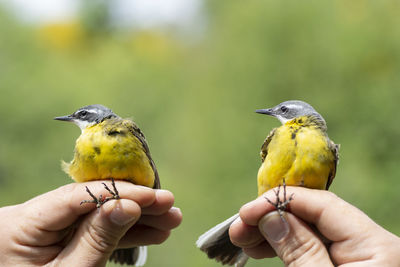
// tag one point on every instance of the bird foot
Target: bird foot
(101, 200)
(279, 204)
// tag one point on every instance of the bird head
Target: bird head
(88, 116)
(289, 110)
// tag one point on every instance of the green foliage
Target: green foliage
(195, 102)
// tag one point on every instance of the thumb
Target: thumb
(99, 233)
(293, 240)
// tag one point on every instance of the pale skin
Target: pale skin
(38, 232)
(356, 239)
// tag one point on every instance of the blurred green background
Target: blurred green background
(194, 92)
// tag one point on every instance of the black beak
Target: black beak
(64, 118)
(267, 111)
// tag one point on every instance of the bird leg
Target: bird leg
(97, 201)
(101, 200)
(114, 194)
(279, 204)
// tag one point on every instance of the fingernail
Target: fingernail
(160, 192)
(175, 210)
(119, 217)
(273, 226)
(237, 221)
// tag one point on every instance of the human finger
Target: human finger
(99, 233)
(57, 209)
(293, 240)
(244, 235)
(261, 251)
(143, 235)
(251, 212)
(163, 201)
(167, 221)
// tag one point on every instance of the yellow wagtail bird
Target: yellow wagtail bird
(110, 147)
(298, 153)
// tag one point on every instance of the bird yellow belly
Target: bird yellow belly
(101, 155)
(300, 155)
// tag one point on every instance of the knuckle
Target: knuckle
(100, 239)
(300, 252)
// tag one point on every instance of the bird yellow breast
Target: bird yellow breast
(298, 154)
(101, 155)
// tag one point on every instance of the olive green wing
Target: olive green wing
(135, 130)
(334, 148)
(264, 147)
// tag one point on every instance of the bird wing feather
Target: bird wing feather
(334, 148)
(135, 130)
(264, 147)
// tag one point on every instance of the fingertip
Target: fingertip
(164, 196)
(166, 221)
(251, 212)
(177, 214)
(176, 211)
(236, 224)
(234, 231)
(163, 201)
(243, 235)
(246, 210)
(144, 196)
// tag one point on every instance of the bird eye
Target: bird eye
(83, 113)
(284, 109)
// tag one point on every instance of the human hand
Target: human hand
(356, 240)
(53, 229)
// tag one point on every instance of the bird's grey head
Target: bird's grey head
(88, 116)
(289, 110)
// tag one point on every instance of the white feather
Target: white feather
(212, 234)
(83, 124)
(142, 256)
(241, 260)
(294, 106)
(282, 119)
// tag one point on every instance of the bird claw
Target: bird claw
(101, 200)
(279, 204)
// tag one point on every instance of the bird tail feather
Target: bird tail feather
(217, 244)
